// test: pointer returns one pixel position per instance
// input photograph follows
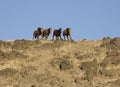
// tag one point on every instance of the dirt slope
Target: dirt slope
(28, 63)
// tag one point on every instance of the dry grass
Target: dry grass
(30, 63)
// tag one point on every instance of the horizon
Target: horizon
(88, 19)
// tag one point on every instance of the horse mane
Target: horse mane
(49, 29)
(39, 29)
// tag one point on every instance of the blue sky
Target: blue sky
(90, 19)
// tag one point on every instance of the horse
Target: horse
(57, 33)
(37, 33)
(46, 33)
(67, 33)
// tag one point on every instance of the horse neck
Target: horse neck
(68, 31)
(60, 30)
(39, 31)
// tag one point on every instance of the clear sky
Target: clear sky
(90, 19)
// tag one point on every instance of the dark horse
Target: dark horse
(57, 33)
(67, 33)
(37, 33)
(46, 33)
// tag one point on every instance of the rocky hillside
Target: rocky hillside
(28, 63)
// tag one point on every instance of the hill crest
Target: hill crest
(32, 63)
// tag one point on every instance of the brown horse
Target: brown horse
(57, 33)
(67, 33)
(37, 33)
(46, 33)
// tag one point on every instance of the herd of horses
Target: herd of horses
(44, 33)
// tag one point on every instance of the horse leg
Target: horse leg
(70, 37)
(46, 37)
(64, 37)
(67, 38)
(33, 36)
(61, 38)
(56, 38)
(41, 37)
(38, 37)
(53, 37)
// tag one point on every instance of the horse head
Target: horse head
(40, 29)
(60, 30)
(68, 30)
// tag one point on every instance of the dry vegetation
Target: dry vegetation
(28, 63)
